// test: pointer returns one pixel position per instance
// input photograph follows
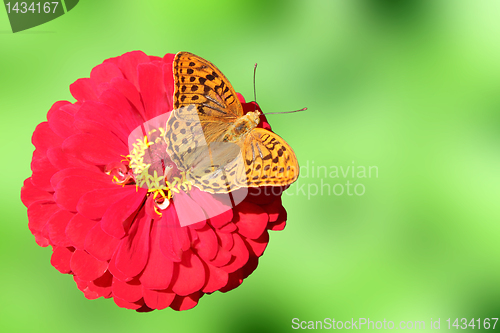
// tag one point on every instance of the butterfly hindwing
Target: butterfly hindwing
(268, 160)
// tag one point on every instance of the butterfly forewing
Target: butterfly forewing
(199, 82)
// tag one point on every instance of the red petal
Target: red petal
(217, 207)
(60, 121)
(70, 190)
(83, 89)
(216, 279)
(61, 160)
(117, 274)
(185, 303)
(251, 221)
(188, 212)
(113, 221)
(280, 222)
(57, 228)
(257, 246)
(30, 193)
(240, 255)
(60, 259)
(95, 174)
(226, 240)
(43, 171)
(128, 63)
(87, 267)
(102, 286)
(207, 245)
(39, 213)
(127, 89)
(94, 204)
(77, 230)
(173, 238)
(100, 244)
(127, 305)
(235, 280)
(102, 114)
(133, 250)
(105, 72)
(129, 291)
(222, 258)
(169, 83)
(100, 147)
(273, 209)
(44, 138)
(159, 269)
(151, 86)
(157, 299)
(191, 276)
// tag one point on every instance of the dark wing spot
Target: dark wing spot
(190, 71)
(183, 131)
(210, 77)
(194, 88)
(195, 98)
(281, 170)
(183, 89)
(184, 141)
(191, 63)
(267, 167)
(260, 166)
(192, 78)
(183, 97)
(202, 80)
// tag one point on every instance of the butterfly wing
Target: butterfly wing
(200, 84)
(261, 159)
(268, 160)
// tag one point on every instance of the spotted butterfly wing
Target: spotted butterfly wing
(205, 109)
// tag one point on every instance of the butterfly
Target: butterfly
(209, 137)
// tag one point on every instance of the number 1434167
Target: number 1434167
(33, 7)
(464, 323)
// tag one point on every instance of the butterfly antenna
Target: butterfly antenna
(254, 90)
(255, 95)
(303, 109)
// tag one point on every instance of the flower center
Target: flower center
(149, 166)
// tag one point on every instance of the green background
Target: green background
(412, 87)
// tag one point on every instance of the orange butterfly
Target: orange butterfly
(209, 138)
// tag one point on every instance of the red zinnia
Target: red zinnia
(117, 239)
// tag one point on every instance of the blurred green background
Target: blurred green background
(411, 87)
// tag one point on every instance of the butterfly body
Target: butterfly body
(242, 126)
(209, 137)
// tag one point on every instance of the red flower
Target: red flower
(116, 238)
